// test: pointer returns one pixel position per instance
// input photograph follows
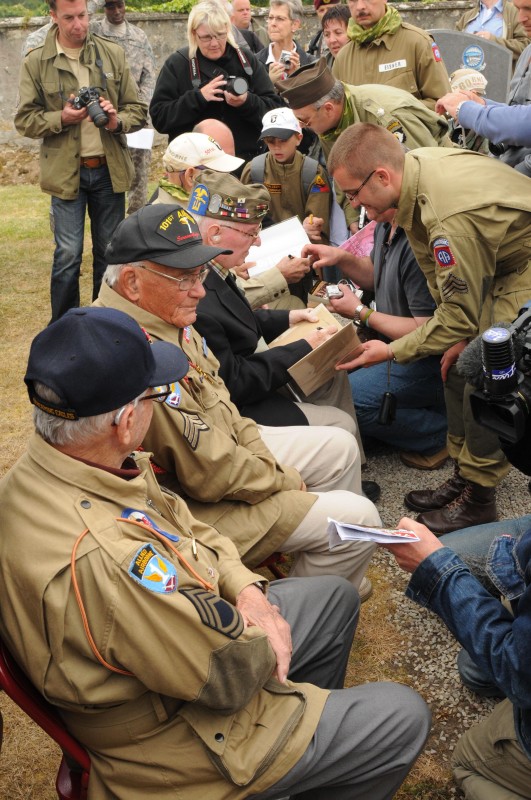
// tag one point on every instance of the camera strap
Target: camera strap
(195, 72)
(99, 63)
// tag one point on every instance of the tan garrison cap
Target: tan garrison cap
(222, 196)
(471, 79)
(307, 84)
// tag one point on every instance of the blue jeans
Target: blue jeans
(420, 422)
(106, 210)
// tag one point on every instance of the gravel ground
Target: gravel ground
(427, 650)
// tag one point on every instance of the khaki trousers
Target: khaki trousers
(489, 763)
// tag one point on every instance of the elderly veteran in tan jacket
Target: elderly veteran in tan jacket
(217, 460)
(473, 245)
(328, 107)
(160, 650)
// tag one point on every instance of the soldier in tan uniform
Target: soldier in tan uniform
(329, 106)
(385, 49)
(468, 220)
(141, 625)
(217, 460)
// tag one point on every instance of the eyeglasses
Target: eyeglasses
(252, 236)
(352, 194)
(307, 123)
(186, 282)
(277, 19)
(209, 37)
(160, 393)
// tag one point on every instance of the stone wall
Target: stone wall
(167, 32)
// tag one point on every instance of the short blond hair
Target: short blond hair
(213, 15)
(363, 147)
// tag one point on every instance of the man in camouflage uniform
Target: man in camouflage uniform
(144, 71)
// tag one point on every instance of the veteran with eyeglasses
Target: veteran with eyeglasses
(182, 672)
(248, 482)
(213, 78)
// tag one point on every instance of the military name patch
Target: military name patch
(391, 65)
(443, 254)
(193, 426)
(215, 613)
(273, 188)
(152, 571)
(453, 285)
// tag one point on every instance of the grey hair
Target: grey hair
(295, 7)
(59, 431)
(335, 95)
(113, 271)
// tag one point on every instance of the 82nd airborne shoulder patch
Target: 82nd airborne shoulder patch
(442, 253)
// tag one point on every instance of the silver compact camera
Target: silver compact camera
(285, 58)
(333, 291)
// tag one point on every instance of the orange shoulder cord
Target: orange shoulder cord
(79, 599)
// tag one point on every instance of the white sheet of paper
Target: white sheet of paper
(284, 238)
(339, 532)
(141, 140)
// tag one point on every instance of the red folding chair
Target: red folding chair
(73, 775)
(273, 563)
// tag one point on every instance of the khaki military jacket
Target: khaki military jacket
(513, 36)
(283, 182)
(46, 82)
(408, 59)
(194, 712)
(403, 115)
(212, 456)
(468, 220)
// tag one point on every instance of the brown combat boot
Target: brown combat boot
(475, 505)
(430, 499)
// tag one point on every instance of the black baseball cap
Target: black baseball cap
(163, 233)
(98, 360)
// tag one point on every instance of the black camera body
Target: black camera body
(504, 403)
(497, 149)
(89, 97)
(236, 85)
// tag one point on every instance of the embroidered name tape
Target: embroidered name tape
(399, 64)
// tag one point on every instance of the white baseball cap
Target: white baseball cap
(198, 150)
(470, 79)
(280, 122)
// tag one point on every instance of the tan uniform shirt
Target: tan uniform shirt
(151, 614)
(214, 457)
(288, 199)
(408, 59)
(468, 220)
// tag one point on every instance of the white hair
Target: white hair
(113, 271)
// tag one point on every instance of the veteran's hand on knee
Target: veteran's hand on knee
(256, 609)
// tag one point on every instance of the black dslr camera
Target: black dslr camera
(236, 85)
(89, 97)
(504, 403)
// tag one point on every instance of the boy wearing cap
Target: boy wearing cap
(142, 626)
(297, 184)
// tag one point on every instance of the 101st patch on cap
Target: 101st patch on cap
(179, 228)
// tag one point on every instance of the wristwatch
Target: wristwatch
(357, 312)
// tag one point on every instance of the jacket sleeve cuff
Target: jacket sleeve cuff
(425, 581)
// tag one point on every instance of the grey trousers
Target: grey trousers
(368, 736)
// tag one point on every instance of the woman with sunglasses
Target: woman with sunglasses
(213, 77)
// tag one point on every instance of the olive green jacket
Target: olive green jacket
(197, 714)
(213, 457)
(407, 59)
(46, 83)
(468, 220)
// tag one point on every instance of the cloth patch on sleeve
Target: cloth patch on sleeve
(173, 400)
(152, 571)
(436, 52)
(193, 426)
(453, 285)
(215, 613)
(442, 253)
(319, 185)
(397, 130)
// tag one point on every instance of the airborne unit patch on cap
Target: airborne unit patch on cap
(179, 227)
(223, 196)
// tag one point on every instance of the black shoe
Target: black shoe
(371, 490)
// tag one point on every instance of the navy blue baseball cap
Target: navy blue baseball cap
(98, 360)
